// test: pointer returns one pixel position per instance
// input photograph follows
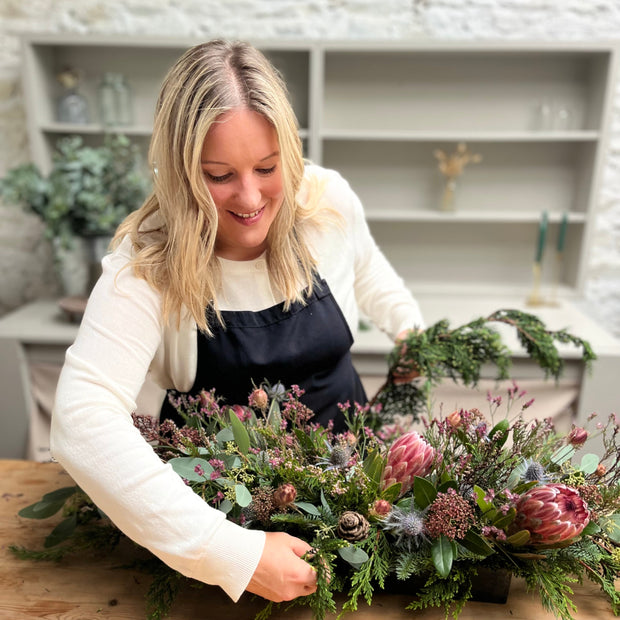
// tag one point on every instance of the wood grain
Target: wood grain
(88, 588)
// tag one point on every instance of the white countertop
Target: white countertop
(43, 322)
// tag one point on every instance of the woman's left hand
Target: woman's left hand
(404, 374)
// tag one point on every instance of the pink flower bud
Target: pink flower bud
(241, 412)
(601, 470)
(381, 508)
(409, 456)
(259, 399)
(454, 419)
(284, 495)
(577, 437)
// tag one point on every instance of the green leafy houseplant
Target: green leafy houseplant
(88, 191)
(474, 492)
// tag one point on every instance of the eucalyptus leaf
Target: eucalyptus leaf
(355, 556)
(224, 436)
(274, 417)
(242, 496)
(611, 526)
(185, 466)
(589, 463)
(61, 532)
(242, 439)
(225, 506)
(49, 504)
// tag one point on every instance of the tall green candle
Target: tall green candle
(542, 236)
(562, 233)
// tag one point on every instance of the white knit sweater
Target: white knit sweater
(122, 338)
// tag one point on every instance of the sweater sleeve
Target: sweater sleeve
(93, 437)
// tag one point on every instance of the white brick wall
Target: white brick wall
(25, 268)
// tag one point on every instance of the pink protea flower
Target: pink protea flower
(552, 513)
(409, 456)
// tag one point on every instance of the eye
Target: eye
(218, 179)
(266, 171)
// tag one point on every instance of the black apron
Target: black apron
(308, 345)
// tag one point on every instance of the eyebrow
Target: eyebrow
(223, 163)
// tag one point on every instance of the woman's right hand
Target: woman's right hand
(281, 574)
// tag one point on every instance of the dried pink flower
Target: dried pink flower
(450, 514)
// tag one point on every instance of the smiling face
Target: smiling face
(242, 168)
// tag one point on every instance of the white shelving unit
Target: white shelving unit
(538, 113)
(377, 111)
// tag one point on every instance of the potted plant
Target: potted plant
(87, 193)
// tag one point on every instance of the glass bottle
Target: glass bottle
(115, 106)
(72, 107)
(107, 97)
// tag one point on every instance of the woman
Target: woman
(242, 261)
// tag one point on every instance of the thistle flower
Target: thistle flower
(352, 526)
(339, 456)
(409, 456)
(407, 525)
(534, 471)
(552, 513)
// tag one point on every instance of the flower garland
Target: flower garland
(469, 492)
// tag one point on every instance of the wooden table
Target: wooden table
(85, 589)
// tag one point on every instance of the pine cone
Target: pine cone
(353, 526)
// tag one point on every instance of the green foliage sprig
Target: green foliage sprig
(460, 354)
(88, 191)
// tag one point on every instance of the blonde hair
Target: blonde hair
(174, 231)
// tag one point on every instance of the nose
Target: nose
(249, 193)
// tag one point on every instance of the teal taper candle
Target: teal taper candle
(542, 236)
(562, 233)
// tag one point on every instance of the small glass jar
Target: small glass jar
(115, 106)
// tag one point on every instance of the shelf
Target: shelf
(97, 129)
(472, 217)
(459, 136)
